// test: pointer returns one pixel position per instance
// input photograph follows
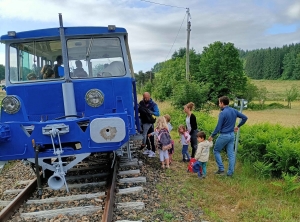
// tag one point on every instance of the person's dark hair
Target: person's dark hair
(78, 63)
(201, 134)
(59, 58)
(224, 100)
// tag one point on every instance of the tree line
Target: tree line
(273, 63)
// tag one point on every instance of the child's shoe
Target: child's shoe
(199, 175)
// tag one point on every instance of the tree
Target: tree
(249, 92)
(185, 91)
(2, 72)
(262, 95)
(221, 67)
(291, 95)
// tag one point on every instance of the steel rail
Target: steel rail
(18, 201)
(110, 197)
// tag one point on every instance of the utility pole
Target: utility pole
(188, 44)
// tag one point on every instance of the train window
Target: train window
(31, 61)
(95, 57)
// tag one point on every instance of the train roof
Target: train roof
(54, 32)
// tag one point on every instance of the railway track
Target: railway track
(97, 193)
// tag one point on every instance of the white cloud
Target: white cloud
(152, 28)
(294, 10)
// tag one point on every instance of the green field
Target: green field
(276, 88)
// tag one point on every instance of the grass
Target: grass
(245, 197)
(276, 88)
(284, 117)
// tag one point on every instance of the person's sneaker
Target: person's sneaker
(199, 176)
(152, 154)
(229, 175)
(147, 152)
(219, 172)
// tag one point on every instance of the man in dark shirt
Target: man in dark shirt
(79, 71)
(148, 128)
(59, 61)
(226, 128)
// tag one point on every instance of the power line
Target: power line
(162, 4)
(176, 37)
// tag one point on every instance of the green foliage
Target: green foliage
(250, 91)
(263, 169)
(262, 94)
(171, 73)
(142, 79)
(221, 67)
(2, 72)
(255, 106)
(276, 106)
(185, 92)
(289, 184)
(277, 147)
(291, 95)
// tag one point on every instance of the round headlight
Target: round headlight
(94, 98)
(11, 104)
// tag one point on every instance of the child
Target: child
(202, 153)
(164, 141)
(184, 140)
(171, 151)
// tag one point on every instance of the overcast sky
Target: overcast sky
(152, 28)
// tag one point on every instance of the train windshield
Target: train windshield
(95, 57)
(88, 58)
(32, 61)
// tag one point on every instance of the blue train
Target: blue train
(70, 91)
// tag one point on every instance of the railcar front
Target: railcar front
(70, 101)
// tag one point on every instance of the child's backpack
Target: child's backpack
(191, 164)
(167, 140)
(194, 166)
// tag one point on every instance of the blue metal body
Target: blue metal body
(42, 104)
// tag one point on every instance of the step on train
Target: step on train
(70, 92)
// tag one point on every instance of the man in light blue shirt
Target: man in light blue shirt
(226, 128)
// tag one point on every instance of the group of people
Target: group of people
(48, 72)
(189, 134)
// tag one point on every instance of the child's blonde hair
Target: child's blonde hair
(161, 123)
(181, 127)
(167, 117)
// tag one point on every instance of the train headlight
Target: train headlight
(94, 98)
(11, 104)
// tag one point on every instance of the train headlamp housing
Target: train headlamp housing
(11, 104)
(94, 98)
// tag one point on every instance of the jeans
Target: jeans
(203, 166)
(225, 140)
(146, 127)
(185, 152)
(194, 142)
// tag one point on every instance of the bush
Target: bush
(277, 147)
(276, 106)
(185, 92)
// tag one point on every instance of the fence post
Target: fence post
(238, 133)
